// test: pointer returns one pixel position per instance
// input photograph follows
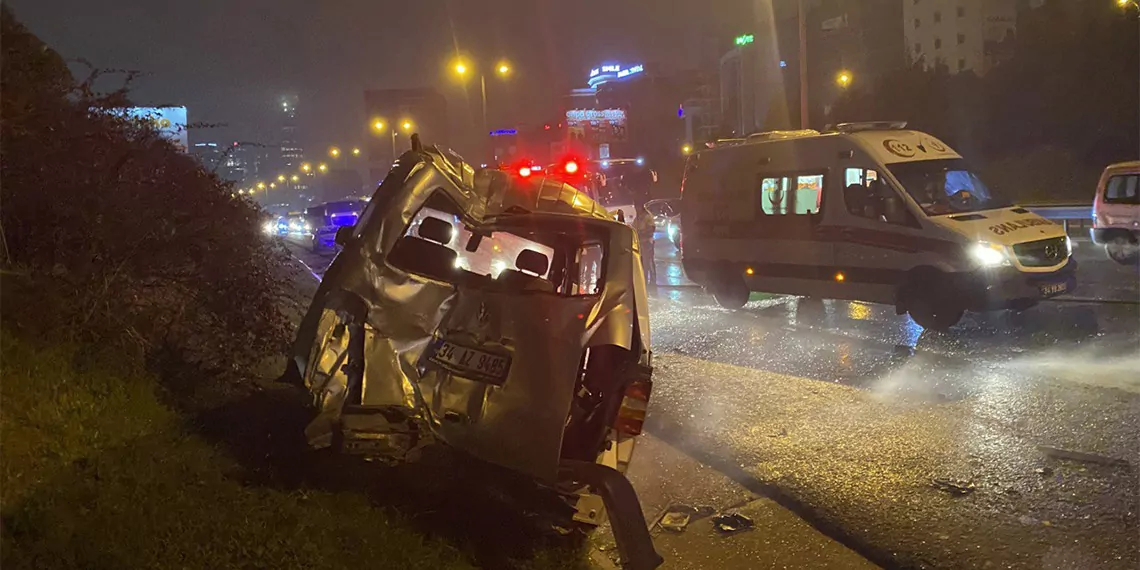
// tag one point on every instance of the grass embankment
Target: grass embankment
(98, 473)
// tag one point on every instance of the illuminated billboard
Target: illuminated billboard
(611, 72)
(596, 126)
(169, 121)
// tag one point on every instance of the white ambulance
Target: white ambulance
(868, 212)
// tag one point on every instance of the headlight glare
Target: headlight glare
(989, 254)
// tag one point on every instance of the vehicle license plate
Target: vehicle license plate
(471, 363)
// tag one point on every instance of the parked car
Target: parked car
(1116, 212)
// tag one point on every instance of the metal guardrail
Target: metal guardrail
(1078, 216)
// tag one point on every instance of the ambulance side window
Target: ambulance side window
(861, 193)
(798, 194)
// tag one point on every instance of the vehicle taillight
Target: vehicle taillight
(635, 403)
(524, 172)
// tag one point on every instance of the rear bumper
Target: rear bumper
(1005, 287)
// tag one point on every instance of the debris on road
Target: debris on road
(1044, 471)
(952, 486)
(732, 523)
(677, 516)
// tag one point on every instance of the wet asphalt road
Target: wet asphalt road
(1010, 442)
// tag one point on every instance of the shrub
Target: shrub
(116, 234)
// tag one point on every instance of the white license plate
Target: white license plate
(1050, 289)
(471, 363)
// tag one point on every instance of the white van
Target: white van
(869, 212)
(1116, 212)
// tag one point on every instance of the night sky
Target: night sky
(229, 60)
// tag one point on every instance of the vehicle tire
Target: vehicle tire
(731, 292)
(1123, 250)
(933, 306)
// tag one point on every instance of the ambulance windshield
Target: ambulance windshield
(946, 187)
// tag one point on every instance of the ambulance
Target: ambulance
(868, 212)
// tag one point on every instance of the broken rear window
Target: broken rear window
(437, 244)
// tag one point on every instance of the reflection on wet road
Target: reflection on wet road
(1010, 441)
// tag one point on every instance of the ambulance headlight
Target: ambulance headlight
(989, 254)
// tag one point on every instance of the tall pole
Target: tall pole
(393, 144)
(483, 99)
(803, 67)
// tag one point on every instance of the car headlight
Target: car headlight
(989, 254)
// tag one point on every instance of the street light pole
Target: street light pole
(483, 89)
(803, 67)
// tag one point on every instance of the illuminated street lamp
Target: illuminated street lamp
(280, 177)
(261, 186)
(355, 151)
(378, 125)
(322, 167)
(272, 184)
(503, 69)
(295, 178)
(334, 152)
(844, 79)
(686, 148)
(306, 167)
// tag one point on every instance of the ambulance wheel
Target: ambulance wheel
(933, 307)
(1123, 250)
(731, 292)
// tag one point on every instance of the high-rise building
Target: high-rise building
(291, 154)
(423, 109)
(207, 153)
(963, 35)
(751, 83)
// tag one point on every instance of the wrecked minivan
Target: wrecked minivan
(500, 316)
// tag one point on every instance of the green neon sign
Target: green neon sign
(745, 39)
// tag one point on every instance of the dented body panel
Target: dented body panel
(412, 340)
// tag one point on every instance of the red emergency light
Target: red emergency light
(524, 171)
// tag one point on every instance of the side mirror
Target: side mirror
(342, 235)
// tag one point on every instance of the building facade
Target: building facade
(291, 155)
(962, 35)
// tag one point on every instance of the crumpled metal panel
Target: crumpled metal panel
(518, 425)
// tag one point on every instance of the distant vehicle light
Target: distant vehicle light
(640, 161)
